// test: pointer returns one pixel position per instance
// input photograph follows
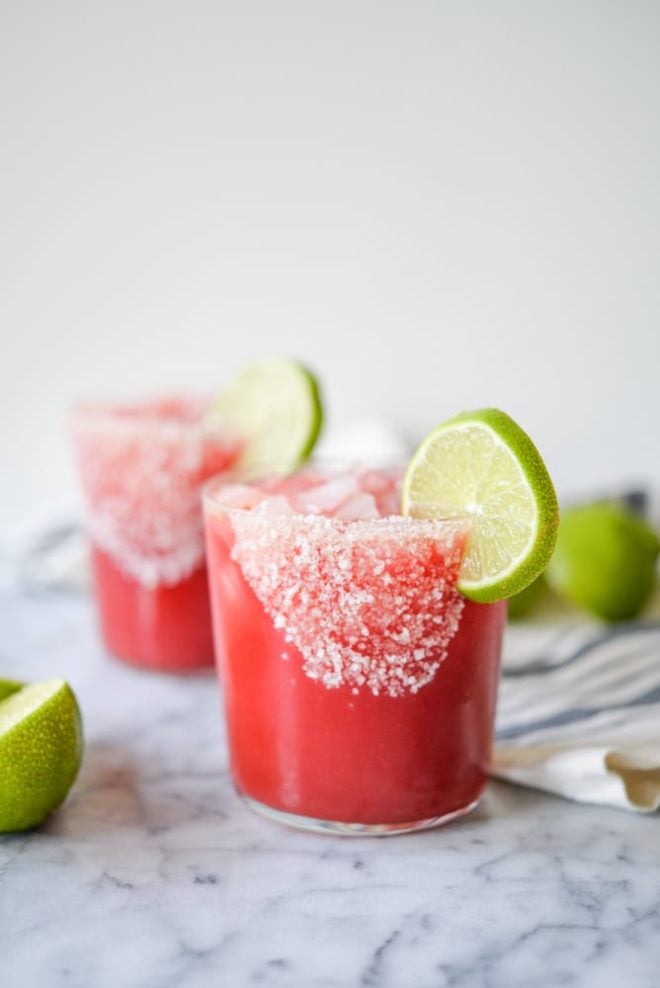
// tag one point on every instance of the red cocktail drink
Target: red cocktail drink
(359, 685)
(142, 468)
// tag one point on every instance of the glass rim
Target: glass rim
(212, 503)
(161, 415)
(250, 476)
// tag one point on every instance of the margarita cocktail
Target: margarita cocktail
(142, 467)
(359, 684)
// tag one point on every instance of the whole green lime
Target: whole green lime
(604, 560)
(525, 603)
(41, 746)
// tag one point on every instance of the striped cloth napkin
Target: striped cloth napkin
(579, 712)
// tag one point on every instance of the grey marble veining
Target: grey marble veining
(154, 875)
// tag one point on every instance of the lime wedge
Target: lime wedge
(275, 406)
(41, 746)
(482, 467)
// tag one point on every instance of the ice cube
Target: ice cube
(239, 496)
(276, 504)
(360, 507)
(385, 485)
(375, 481)
(389, 503)
(329, 496)
(300, 482)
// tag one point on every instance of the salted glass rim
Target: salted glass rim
(163, 414)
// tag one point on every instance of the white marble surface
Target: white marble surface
(154, 874)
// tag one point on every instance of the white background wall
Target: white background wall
(437, 204)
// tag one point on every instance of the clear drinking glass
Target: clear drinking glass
(359, 685)
(142, 467)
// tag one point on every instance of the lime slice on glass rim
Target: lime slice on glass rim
(482, 467)
(41, 747)
(275, 406)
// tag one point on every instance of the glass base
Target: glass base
(339, 828)
(188, 670)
